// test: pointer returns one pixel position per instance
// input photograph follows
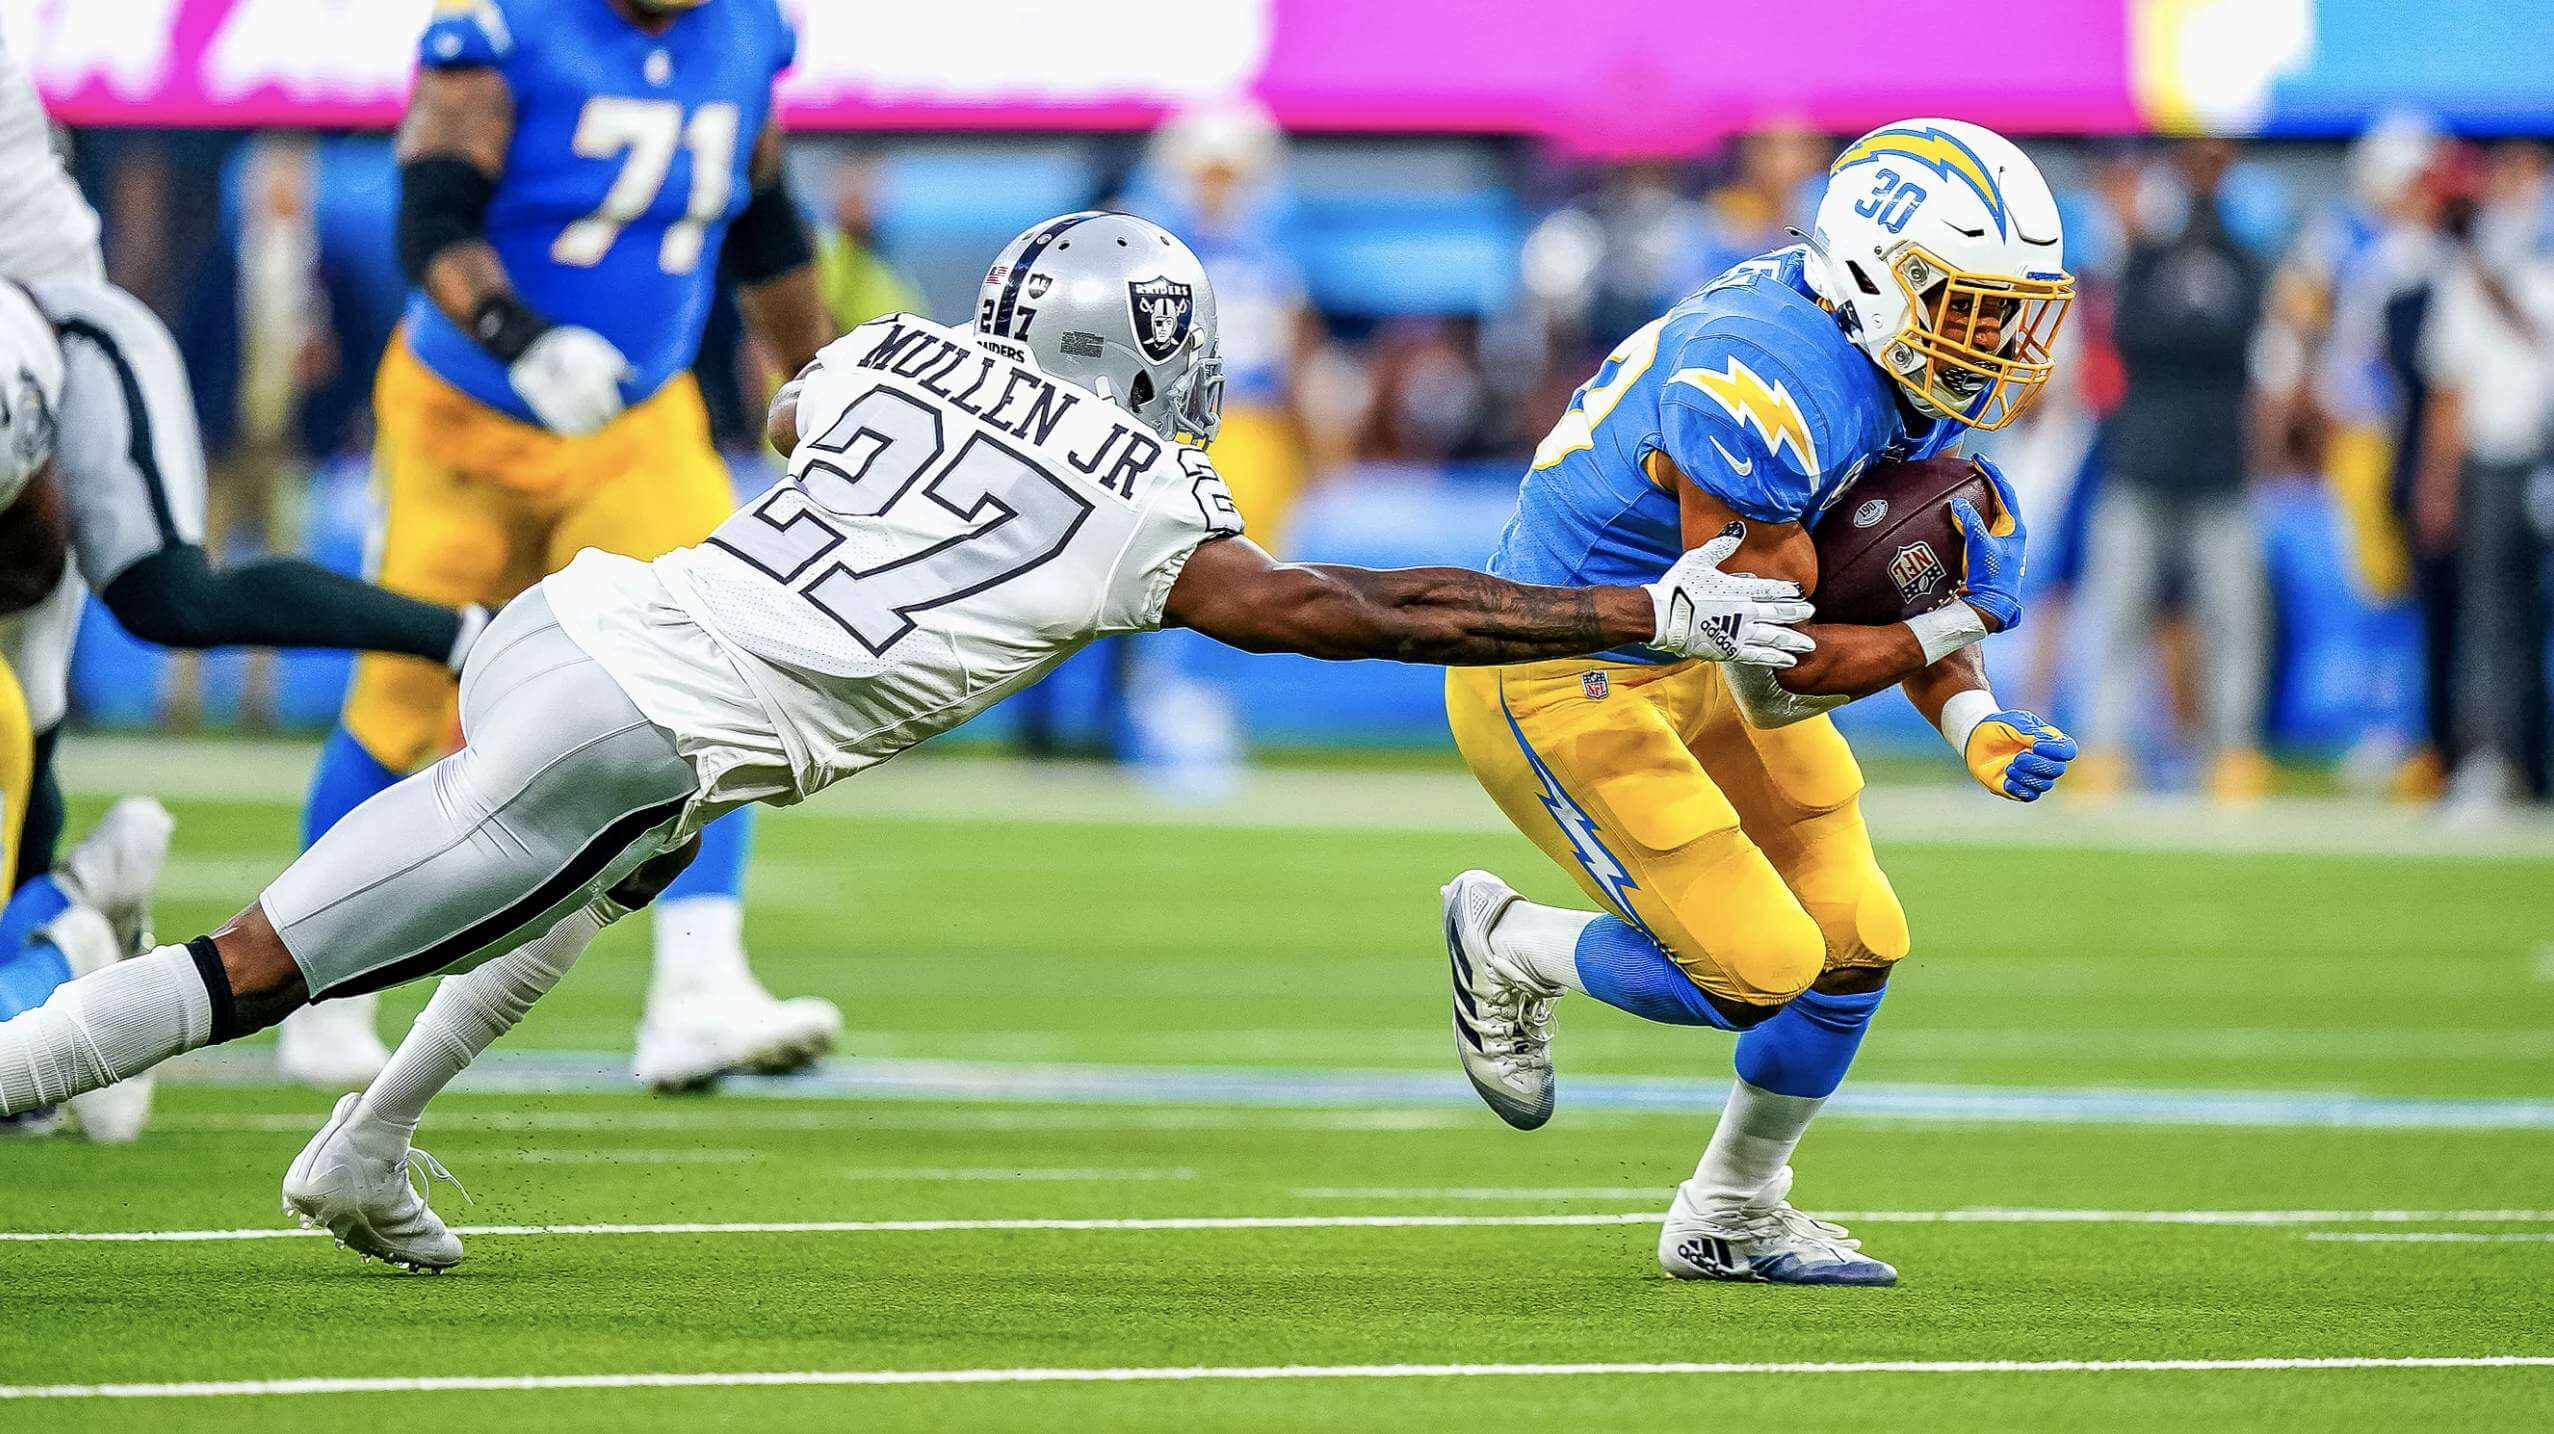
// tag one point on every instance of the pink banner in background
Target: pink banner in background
(1629, 76)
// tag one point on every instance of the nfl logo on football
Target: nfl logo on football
(1915, 570)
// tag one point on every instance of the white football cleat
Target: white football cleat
(115, 866)
(332, 1045)
(1502, 1015)
(367, 1201)
(1764, 1241)
(687, 1045)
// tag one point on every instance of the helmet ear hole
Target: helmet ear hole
(1140, 392)
(1861, 277)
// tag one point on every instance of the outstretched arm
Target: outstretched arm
(1234, 592)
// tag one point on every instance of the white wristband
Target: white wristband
(1947, 629)
(1962, 714)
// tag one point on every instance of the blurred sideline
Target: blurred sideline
(971, 788)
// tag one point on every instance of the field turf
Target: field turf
(1149, 1124)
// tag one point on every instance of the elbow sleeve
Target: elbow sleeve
(165, 598)
(768, 238)
(443, 200)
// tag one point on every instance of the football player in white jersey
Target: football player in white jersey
(963, 510)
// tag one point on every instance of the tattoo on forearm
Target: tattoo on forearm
(1460, 618)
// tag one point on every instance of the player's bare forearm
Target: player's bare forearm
(463, 277)
(1235, 593)
(787, 316)
(1933, 688)
(466, 115)
(1853, 661)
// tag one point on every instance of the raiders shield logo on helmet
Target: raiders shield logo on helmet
(1163, 310)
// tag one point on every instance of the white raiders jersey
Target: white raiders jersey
(47, 230)
(954, 523)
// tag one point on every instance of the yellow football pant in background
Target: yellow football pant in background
(477, 507)
(17, 765)
(1741, 852)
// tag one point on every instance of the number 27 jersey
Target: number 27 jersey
(954, 522)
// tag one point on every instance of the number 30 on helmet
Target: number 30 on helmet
(1938, 246)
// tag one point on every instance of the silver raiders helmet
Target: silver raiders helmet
(1118, 305)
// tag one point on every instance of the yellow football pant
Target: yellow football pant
(17, 765)
(1741, 852)
(478, 507)
(1261, 460)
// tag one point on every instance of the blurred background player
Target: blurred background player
(575, 178)
(95, 909)
(2180, 449)
(1713, 814)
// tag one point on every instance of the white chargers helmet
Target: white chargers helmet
(1119, 306)
(30, 391)
(1938, 247)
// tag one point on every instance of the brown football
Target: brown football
(1889, 548)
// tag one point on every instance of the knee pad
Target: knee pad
(1771, 956)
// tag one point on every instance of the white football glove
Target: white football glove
(571, 379)
(1727, 617)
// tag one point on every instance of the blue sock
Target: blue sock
(347, 777)
(1806, 1047)
(1620, 965)
(32, 905)
(720, 868)
(30, 969)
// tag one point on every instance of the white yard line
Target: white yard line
(2432, 1237)
(617, 1157)
(2238, 1218)
(508, 1383)
(998, 1174)
(464, 1124)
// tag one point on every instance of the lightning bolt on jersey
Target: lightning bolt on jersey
(954, 522)
(1750, 388)
(629, 157)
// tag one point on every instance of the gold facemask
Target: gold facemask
(1937, 355)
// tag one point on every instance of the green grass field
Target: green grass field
(1137, 1092)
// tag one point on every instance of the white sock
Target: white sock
(467, 1013)
(1544, 940)
(700, 946)
(103, 1027)
(1757, 1133)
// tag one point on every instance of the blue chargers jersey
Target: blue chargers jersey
(1751, 389)
(629, 158)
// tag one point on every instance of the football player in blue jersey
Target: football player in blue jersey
(576, 175)
(1711, 811)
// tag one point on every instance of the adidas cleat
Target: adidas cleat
(1502, 1016)
(1765, 1241)
(367, 1201)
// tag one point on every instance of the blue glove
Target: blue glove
(1993, 552)
(2016, 755)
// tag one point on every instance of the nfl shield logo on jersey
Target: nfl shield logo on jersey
(1916, 570)
(1596, 685)
(1163, 309)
